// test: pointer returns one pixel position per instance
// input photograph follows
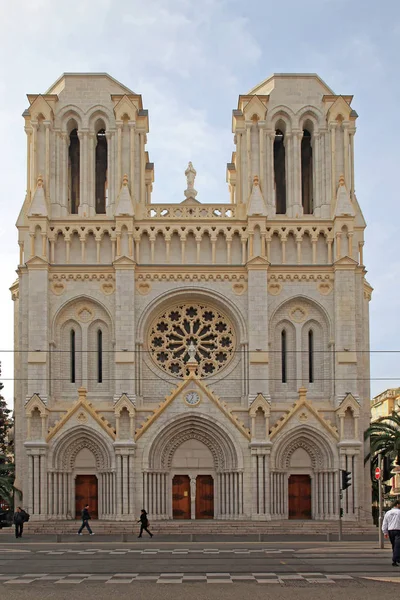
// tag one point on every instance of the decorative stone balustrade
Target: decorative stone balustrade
(188, 211)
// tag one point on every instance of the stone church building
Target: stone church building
(199, 360)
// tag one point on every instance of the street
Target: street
(100, 569)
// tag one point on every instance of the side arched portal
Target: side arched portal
(82, 472)
(304, 476)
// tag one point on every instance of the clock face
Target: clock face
(192, 398)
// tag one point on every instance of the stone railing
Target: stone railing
(201, 211)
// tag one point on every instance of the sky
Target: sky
(190, 61)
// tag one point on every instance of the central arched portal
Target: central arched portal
(193, 472)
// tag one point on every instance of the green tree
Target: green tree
(7, 469)
(384, 437)
(6, 480)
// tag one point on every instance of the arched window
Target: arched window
(284, 356)
(73, 172)
(306, 173)
(99, 356)
(311, 356)
(101, 172)
(72, 356)
(280, 172)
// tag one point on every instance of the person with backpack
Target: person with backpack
(85, 520)
(20, 517)
(144, 524)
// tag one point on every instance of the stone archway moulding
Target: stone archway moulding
(161, 447)
(67, 447)
(311, 440)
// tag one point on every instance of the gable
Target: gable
(186, 392)
(85, 413)
(305, 411)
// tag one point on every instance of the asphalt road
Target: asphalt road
(153, 569)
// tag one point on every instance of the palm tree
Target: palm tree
(384, 436)
(6, 480)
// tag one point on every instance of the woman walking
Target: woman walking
(144, 523)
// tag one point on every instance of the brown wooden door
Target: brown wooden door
(204, 497)
(299, 497)
(181, 497)
(86, 492)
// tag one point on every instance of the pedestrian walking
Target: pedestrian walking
(391, 530)
(20, 517)
(144, 523)
(85, 520)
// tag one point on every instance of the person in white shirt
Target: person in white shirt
(391, 529)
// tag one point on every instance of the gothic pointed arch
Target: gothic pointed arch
(68, 445)
(166, 440)
(314, 442)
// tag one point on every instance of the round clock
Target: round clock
(192, 398)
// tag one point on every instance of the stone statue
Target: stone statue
(190, 173)
(193, 489)
(192, 352)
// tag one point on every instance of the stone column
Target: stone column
(91, 186)
(239, 170)
(317, 172)
(346, 148)
(132, 125)
(270, 174)
(332, 129)
(47, 125)
(119, 157)
(345, 330)
(296, 208)
(258, 327)
(38, 330)
(125, 327)
(84, 203)
(110, 184)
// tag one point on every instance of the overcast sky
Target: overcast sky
(190, 61)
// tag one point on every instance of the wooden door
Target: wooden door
(299, 497)
(86, 492)
(204, 497)
(181, 497)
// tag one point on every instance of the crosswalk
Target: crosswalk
(168, 578)
(149, 551)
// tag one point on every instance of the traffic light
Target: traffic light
(387, 467)
(346, 479)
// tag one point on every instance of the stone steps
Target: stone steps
(207, 527)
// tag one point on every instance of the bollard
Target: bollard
(328, 537)
(58, 538)
(124, 537)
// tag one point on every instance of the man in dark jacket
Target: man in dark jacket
(20, 517)
(85, 520)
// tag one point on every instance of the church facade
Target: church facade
(204, 361)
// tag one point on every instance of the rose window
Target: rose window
(178, 329)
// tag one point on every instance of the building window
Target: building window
(280, 172)
(99, 356)
(73, 171)
(284, 356)
(72, 356)
(306, 173)
(311, 356)
(101, 172)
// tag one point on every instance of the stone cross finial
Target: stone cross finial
(82, 394)
(190, 173)
(125, 179)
